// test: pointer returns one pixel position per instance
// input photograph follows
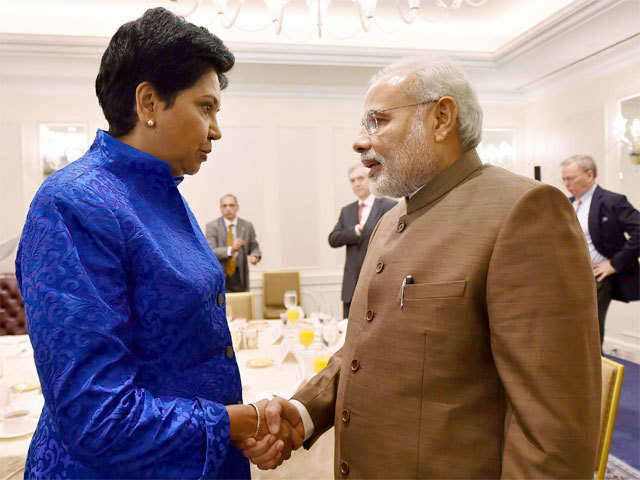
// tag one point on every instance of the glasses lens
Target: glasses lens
(370, 122)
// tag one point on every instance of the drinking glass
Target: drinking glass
(330, 332)
(293, 314)
(306, 335)
(229, 312)
(319, 362)
(290, 299)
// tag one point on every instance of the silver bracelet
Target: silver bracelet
(255, 435)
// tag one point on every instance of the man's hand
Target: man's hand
(603, 270)
(253, 259)
(286, 433)
(237, 245)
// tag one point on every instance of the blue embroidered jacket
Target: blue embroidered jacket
(126, 314)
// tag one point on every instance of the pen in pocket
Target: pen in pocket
(408, 280)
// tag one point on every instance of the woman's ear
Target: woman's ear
(147, 103)
(445, 119)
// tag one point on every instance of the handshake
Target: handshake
(280, 430)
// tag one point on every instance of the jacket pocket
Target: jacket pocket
(418, 291)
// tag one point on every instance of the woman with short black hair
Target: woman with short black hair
(125, 300)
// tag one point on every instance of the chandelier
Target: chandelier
(227, 14)
(630, 140)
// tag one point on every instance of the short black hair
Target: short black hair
(162, 49)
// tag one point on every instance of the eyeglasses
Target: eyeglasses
(370, 120)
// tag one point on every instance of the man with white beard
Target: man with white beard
(472, 349)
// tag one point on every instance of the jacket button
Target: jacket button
(346, 416)
(400, 227)
(379, 266)
(344, 468)
(220, 299)
(370, 315)
(229, 352)
(355, 365)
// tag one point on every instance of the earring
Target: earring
(150, 123)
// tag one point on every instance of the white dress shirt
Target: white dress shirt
(231, 224)
(582, 211)
(366, 210)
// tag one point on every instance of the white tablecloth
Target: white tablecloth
(257, 382)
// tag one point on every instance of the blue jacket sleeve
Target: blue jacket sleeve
(71, 267)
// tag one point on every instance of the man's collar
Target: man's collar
(367, 201)
(228, 222)
(588, 194)
(445, 181)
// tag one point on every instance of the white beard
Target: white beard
(410, 168)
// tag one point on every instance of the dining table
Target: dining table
(276, 365)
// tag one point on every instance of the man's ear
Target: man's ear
(445, 119)
(147, 102)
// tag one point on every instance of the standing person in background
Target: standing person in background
(355, 225)
(605, 218)
(234, 242)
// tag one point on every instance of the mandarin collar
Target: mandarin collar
(123, 156)
(445, 181)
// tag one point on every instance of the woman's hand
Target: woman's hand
(270, 448)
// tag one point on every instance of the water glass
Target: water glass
(290, 299)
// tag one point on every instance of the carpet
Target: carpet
(619, 470)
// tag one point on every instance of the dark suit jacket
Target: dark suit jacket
(610, 217)
(216, 234)
(344, 234)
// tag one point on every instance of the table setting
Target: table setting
(21, 402)
(275, 357)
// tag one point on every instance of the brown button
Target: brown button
(344, 468)
(229, 352)
(379, 266)
(400, 227)
(355, 365)
(370, 315)
(220, 299)
(346, 416)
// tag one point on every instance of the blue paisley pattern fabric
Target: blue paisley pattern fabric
(125, 310)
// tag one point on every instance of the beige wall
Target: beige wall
(286, 147)
(578, 118)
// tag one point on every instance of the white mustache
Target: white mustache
(376, 156)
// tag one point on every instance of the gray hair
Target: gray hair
(235, 199)
(585, 162)
(437, 77)
(355, 166)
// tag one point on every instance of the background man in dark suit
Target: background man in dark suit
(357, 221)
(234, 242)
(605, 218)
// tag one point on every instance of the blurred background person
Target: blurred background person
(234, 242)
(124, 298)
(611, 226)
(355, 225)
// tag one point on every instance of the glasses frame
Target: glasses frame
(371, 115)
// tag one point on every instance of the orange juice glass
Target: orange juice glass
(293, 314)
(306, 336)
(320, 362)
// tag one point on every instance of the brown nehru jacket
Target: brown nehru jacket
(492, 368)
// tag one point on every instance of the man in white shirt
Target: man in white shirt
(234, 242)
(357, 221)
(605, 217)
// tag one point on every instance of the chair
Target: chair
(274, 284)
(612, 373)
(12, 316)
(241, 305)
